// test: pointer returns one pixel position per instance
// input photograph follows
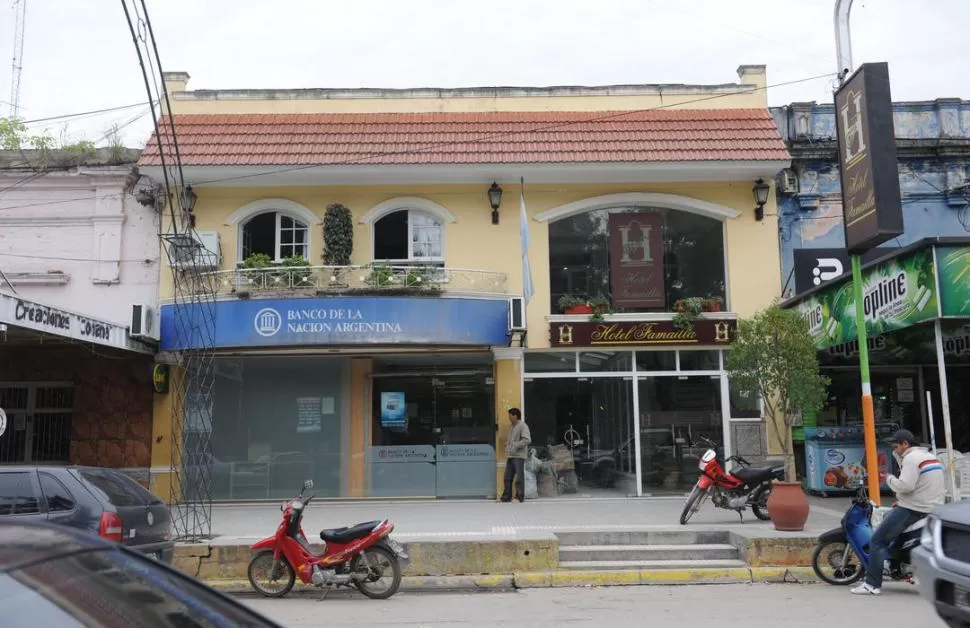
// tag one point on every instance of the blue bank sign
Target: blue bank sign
(341, 321)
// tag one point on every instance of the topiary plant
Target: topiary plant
(338, 235)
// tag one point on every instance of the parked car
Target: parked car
(56, 576)
(104, 502)
(942, 562)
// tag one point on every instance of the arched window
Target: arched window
(408, 236)
(641, 258)
(276, 234)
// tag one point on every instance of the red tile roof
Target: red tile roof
(472, 138)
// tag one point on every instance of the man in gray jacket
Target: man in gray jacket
(516, 451)
(919, 489)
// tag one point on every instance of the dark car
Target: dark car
(942, 562)
(55, 576)
(104, 502)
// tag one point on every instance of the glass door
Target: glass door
(675, 412)
(405, 434)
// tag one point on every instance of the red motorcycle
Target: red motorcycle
(744, 486)
(363, 556)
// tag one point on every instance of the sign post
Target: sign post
(870, 205)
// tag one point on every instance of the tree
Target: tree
(774, 357)
(338, 235)
(48, 152)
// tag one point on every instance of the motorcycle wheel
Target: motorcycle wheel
(277, 569)
(692, 504)
(822, 556)
(760, 505)
(378, 561)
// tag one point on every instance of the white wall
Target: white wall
(78, 241)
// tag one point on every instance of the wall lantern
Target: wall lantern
(760, 190)
(495, 199)
(187, 201)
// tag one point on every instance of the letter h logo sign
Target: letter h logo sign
(852, 129)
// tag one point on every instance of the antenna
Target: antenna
(19, 20)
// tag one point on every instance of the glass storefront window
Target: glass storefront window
(693, 256)
(743, 406)
(656, 360)
(674, 412)
(550, 362)
(590, 420)
(605, 361)
(700, 361)
(277, 421)
(433, 428)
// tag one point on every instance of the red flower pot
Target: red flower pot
(579, 309)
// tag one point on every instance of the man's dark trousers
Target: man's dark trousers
(514, 467)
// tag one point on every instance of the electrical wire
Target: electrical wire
(144, 260)
(81, 114)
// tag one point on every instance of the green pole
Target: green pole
(868, 411)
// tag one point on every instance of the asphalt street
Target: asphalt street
(725, 606)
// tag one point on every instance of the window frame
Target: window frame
(45, 475)
(610, 206)
(411, 259)
(277, 233)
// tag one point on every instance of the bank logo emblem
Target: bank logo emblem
(826, 268)
(268, 322)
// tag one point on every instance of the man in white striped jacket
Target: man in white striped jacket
(919, 489)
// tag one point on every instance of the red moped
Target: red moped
(363, 556)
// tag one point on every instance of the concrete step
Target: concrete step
(609, 553)
(611, 565)
(644, 537)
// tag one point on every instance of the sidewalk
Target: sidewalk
(471, 519)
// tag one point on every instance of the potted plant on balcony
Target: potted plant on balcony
(421, 279)
(572, 304)
(381, 276)
(294, 273)
(601, 306)
(686, 312)
(712, 304)
(773, 356)
(257, 265)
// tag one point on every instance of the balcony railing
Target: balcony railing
(352, 280)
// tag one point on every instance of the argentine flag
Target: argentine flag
(527, 288)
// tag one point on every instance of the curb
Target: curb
(586, 578)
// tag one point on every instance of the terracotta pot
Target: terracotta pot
(715, 307)
(788, 506)
(579, 309)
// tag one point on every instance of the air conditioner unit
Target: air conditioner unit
(517, 314)
(789, 181)
(207, 252)
(144, 322)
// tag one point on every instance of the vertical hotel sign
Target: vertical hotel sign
(867, 158)
(636, 259)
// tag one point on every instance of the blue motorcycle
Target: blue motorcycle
(845, 550)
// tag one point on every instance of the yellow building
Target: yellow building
(390, 373)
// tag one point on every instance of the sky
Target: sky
(79, 55)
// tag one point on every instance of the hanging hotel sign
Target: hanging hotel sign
(867, 158)
(897, 293)
(636, 259)
(45, 318)
(705, 332)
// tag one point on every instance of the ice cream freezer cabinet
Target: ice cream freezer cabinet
(835, 458)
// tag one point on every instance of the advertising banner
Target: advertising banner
(954, 269)
(896, 294)
(393, 409)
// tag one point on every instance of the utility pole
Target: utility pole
(843, 51)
